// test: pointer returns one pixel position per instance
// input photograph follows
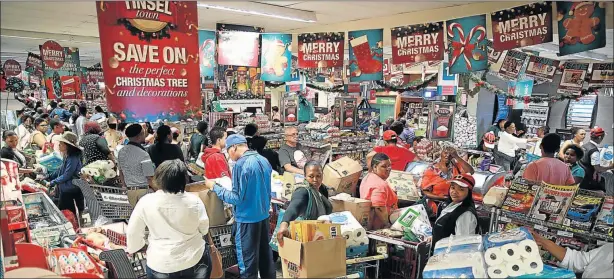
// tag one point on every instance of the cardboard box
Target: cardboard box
(360, 209)
(289, 181)
(342, 175)
(313, 230)
(404, 185)
(314, 259)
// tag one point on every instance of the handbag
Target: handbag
(217, 270)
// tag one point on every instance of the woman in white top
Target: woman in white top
(24, 131)
(578, 136)
(177, 222)
(596, 263)
(508, 144)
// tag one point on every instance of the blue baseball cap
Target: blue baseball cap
(234, 140)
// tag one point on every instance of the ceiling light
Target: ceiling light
(298, 15)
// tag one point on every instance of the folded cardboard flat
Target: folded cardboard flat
(360, 209)
(342, 175)
(314, 259)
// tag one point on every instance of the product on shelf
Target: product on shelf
(520, 197)
(605, 218)
(552, 203)
(583, 209)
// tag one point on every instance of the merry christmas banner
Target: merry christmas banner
(572, 78)
(11, 68)
(581, 26)
(321, 50)
(206, 54)
(276, 57)
(541, 68)
(522, 26)
(34, 64)
(602, 75)
(512, 64)
(63, 81)
(467, 50)
(417, 43)
(150, 59)
(366, 54)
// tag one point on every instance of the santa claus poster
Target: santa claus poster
(467, 50)
(276, 57)
(522, 26)
(321, 50)
(366, 54)
(581, 26)
(417, 43)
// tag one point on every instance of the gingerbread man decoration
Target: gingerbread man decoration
(580, 26)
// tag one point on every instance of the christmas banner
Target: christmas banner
(206, 53)
(602, 75)
(467, 44)
(236, 83)
(522, 88)
(366, 54)
(522, 26)
(512, 64)
(34, 64)
(276, 57)
(65, 81)
(237, 48)
(11, 68)
(321, 50)
(581, 26)
(417, 43)
(572, 78)
(52, 55)
(150, 57)
(541, 68)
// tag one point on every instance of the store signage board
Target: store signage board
(63, 82)
(581, 26)
(34, 64)
(447, 83)
(321, 50)
(276, 57)
(150, 55)
(572, 78)
(541, 68)
(602, 75)
(502, 108)
(366, 51)
(417, 43)
(512, 64)
(522, 26)
(11, 68)
(467, 50)
(522, 88)
(240, 105)
(382, 100)
(206, 55)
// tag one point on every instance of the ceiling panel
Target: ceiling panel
(280, 3)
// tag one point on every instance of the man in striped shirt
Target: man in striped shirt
(135, 165)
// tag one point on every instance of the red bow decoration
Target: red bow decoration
(464, 46)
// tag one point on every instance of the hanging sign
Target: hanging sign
(290, 105)
(321, 50)
(522, 88)
(581, 26)
(206, 54)
(348, 113)
(441, 117)
(64, 82)
(493, 54)
(52, 54)
(502, 108)
(238, 48)
(276, 57)
(446, 83)
(150, 54)
(366, 54)
(417, 43)
(541, 68)
(34, 64)
(11, 68)
(602, 75)
(522, 26)
(467, 48)
(512, 64)
(572, 78)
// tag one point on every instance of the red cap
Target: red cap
(489, 140)
(390, 135)
(597, 131)
(464, 180)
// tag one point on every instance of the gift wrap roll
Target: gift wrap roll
(514, 268)
(528, 249)
(532, 265)
(497, 271)
(493, 257)
(511, 252)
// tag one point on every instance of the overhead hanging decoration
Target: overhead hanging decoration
(412, 86)
(15, 85)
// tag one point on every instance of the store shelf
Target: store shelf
(558, 229)
(18, 226)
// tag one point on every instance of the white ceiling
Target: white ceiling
(27, 24)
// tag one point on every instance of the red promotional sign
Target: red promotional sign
(522, 26)
(417, 43)
(52, 54)
(321, 50)
(11, 68)
(150, 59)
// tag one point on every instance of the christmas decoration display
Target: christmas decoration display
(34, 64)
(15, 85)
(276, 57)
(11, 68)
(236, 83)
(53, 54)
(366, 54)
(467, 48)
(581, 26)
(522, 26)
(206, 54)
(321, 50)
(417, 43)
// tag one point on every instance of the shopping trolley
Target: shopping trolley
(405, 259)
(109, 202)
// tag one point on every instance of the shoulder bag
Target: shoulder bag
(217, 270)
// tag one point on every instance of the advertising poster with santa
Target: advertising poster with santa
(206, 54)
(61, 71)
(541, 68)
(581, 26)
(602, 75)
(34, 64)
(150, 59)
(11, 68)
(366, 49)
(467, 50)
(572, 78)
(512, 64)
(276, 57)
(321, 50)
(522, 26)
(417, 43)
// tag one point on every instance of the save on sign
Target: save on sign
(149, 53)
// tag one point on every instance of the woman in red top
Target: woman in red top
(436, 179)
(375, 188)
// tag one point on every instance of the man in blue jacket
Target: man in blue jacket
(251, 198)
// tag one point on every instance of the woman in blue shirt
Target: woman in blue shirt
(571, 154)
(68, 194)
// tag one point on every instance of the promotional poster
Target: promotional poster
(602, 75)
(52, 54)
(290, 109)
(493, 54)
(321, 50)
(150, 59)
(34, 64)
(11, 68)
(521, 88)
(541, 68)
(206, 53)
(502, 108)
(366, 54)
(572, 78)
(581, 26)
(237, 48)
(239, 83)
(467, 50)
(522, 26)
(417, 43)
(512, 64)
(440, 120)
(276, 57)
(65, 81)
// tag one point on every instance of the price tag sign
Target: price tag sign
(540, 227)
(564, 233)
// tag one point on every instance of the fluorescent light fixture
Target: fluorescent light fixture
(259, 9)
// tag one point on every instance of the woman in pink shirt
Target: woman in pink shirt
(549, 169)
(375, 188)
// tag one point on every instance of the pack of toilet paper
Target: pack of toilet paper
(100, 170)
(354, 233)
(449, 265)
(512, 253)
(459, 244)
(52, 162)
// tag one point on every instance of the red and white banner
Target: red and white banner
(522, 26)
(321, 50)
(417, 43)
(150, 59)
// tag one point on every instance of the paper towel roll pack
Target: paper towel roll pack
(449, 266)
(458, 244)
